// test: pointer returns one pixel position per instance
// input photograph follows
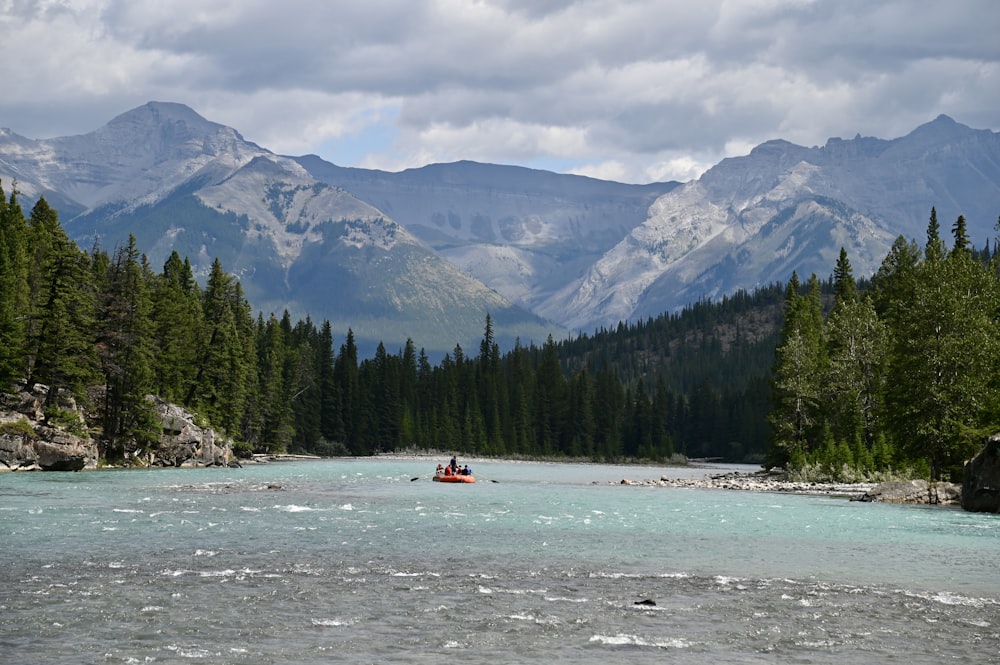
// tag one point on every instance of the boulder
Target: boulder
(914, 491)
(981, 479)
(184, 442)
(46, 449)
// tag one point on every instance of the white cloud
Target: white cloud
(636, 90)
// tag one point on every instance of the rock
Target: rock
(47, 449)
(914, 491)
(981, 479)
(184, 442)
(647, 601)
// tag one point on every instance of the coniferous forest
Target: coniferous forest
(866, 378)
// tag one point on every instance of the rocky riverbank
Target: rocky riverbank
(42, 434)
(911, 492)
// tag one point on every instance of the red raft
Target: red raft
(457, 478)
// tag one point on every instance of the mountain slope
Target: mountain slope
(524, 232)
(752, 220)
(427, 252)
(178, 182)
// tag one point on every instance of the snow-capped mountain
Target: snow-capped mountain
(426, 253)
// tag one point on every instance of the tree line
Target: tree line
(841, 377)
(899, 375)
(74, 319)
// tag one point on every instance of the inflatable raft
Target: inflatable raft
(453, 479)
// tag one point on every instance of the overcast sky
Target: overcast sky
(627, 90)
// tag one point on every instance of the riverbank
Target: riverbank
(906, 491)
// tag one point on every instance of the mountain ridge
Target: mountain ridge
(430, 251)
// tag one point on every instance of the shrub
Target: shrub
(18, 428)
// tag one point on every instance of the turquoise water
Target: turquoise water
(349, 561)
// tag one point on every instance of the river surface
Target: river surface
(351, 561)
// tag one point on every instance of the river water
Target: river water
(349, 561)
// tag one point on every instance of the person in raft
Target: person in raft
(466, 471)
(447, 471)
(440, 470)
(454, 465)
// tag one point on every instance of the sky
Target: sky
(628, 90)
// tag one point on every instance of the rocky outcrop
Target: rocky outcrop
(981, 480)
(29, 443)
(42, 434)
(914, 491)
(184, 442)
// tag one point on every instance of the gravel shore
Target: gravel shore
(759, 483)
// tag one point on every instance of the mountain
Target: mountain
(524, 232)
(178, 182)
(426, 253)
(750, 221)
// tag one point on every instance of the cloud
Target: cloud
(635, 90)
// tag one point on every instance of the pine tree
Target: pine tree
(798, 369)
(178, 318)
(13, 288)
(125, 349)
(942, 390)
(961, 235)
(854, 383)
(549, 391)
(844, 288)
(934, 247)
(225, 363)
(325, 361)
(345, 376)
(275, 406)
(60, 343)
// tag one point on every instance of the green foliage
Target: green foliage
(18, 428)
(67, 420)
(909, 377)
(829, 379)
(13, 287)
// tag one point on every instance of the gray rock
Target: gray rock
(914, 491)
(184, 442)
(46, 449)
(981, 479)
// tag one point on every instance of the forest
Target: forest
(828, 377)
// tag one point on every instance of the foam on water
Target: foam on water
(355, 563)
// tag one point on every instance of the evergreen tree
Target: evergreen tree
(348, 399)
(798, 370)
(177, 318)
(275, 406)
(942, 390)
(934, 247)
(13, 288)
(549, 391)
(125, 349)
(61, 350)
(854, 384)
(961, 235)
(844, 287)
(225, 362)
(325, 361)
